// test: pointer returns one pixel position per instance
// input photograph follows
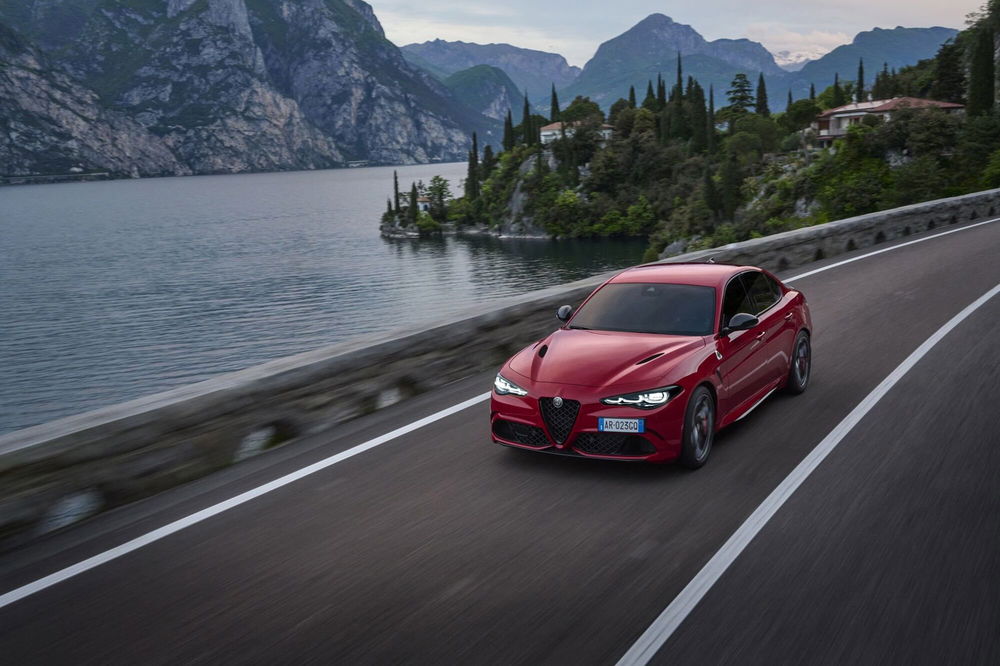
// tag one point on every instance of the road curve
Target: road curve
(439, 547)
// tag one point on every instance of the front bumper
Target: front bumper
(518, 421)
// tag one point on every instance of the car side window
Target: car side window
(763, 291)
(736, 300)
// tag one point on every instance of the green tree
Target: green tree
(631, 96)
(395, 189)
(439, 193)
(981, 73)
(649, 102)
(800, 115)
(711, 194)
(711, 142)
(472, 177)
(790, 100)
(697, 116)
(508, 133)
(488, 164)
(812, 91)
(762, 108)
(731, 183)
(839, 97)
(554, 106)
(616, 108)
(527, 131)
(859, 84)
(741, 93)
(582, 109)
(949, 74)
(413, 209)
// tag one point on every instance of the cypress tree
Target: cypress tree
(489, 161)
(698, 118)
(812, 91)
(710, 143)
(555, 105)
(650, 101)
(981, 73)
(649, 91)
(527, 134)
(859, 86)
(762, 108)
(680, 72)
(730, 187)
(949, 79)
(395, 190)
(472, 177)
(839, 99)
(411, 213)
(388, 209)
(631, 97)
(661, 91)
(508, 132)
(711, 192)
(790, 100)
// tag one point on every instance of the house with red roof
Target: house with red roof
(833, 124)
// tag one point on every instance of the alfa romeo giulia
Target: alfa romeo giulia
(654, 362)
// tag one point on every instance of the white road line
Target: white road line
(673, 615)
(162, 532)
(204, 514)
(888, 249)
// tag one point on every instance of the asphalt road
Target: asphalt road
(440, 547)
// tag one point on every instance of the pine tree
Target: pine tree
(859, 85)
(812, 91)
(631, 97)
(949, 71)
(508, 132)
(555, 105)
(411, 212)
(762, 108)
(395, 190)
(741, 94)
(527, 133)
(981, 73)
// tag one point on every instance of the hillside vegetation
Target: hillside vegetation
(686, 173)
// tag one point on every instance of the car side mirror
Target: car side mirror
(740, 322)
(564, 312)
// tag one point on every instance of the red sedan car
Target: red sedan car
(654, 363)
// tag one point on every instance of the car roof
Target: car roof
(702, 274)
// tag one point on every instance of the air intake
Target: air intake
(541, 352)
(650, 358)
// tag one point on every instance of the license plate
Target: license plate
(621, 425)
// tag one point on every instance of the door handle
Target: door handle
(788, 316)
(760, 336)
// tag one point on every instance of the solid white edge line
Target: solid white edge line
(204, 514)
(157, 534)
(888, 249)
(651, 640)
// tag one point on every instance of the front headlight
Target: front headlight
(646, 400)
(505, 387)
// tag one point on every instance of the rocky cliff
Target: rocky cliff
(51, 124)
(486, 89)
(247, 85)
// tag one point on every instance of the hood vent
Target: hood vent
(541, 352)
(650, 358)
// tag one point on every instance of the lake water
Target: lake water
(114, 290)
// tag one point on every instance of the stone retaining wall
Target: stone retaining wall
(58, 473)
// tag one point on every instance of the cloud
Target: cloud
(776, 37)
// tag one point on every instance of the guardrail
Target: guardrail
(58, 473)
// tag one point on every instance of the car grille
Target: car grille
(613, 444)
(559, 420)
(520, 433)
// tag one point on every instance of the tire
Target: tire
(699, 429)
(800, 365)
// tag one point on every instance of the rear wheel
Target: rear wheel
(801, 366)
(699, 429)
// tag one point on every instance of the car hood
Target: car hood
(604, 358)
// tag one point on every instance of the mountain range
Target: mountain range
(144, 87)
(221, 86)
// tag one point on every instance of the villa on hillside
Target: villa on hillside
(833, 123)
(554, 131)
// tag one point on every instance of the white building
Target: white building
(555, 131)
(833, 124)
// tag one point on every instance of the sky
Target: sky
(576, 28)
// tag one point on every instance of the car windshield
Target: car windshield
(667, 309)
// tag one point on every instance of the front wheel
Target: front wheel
(699, 429)
(801, 366)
